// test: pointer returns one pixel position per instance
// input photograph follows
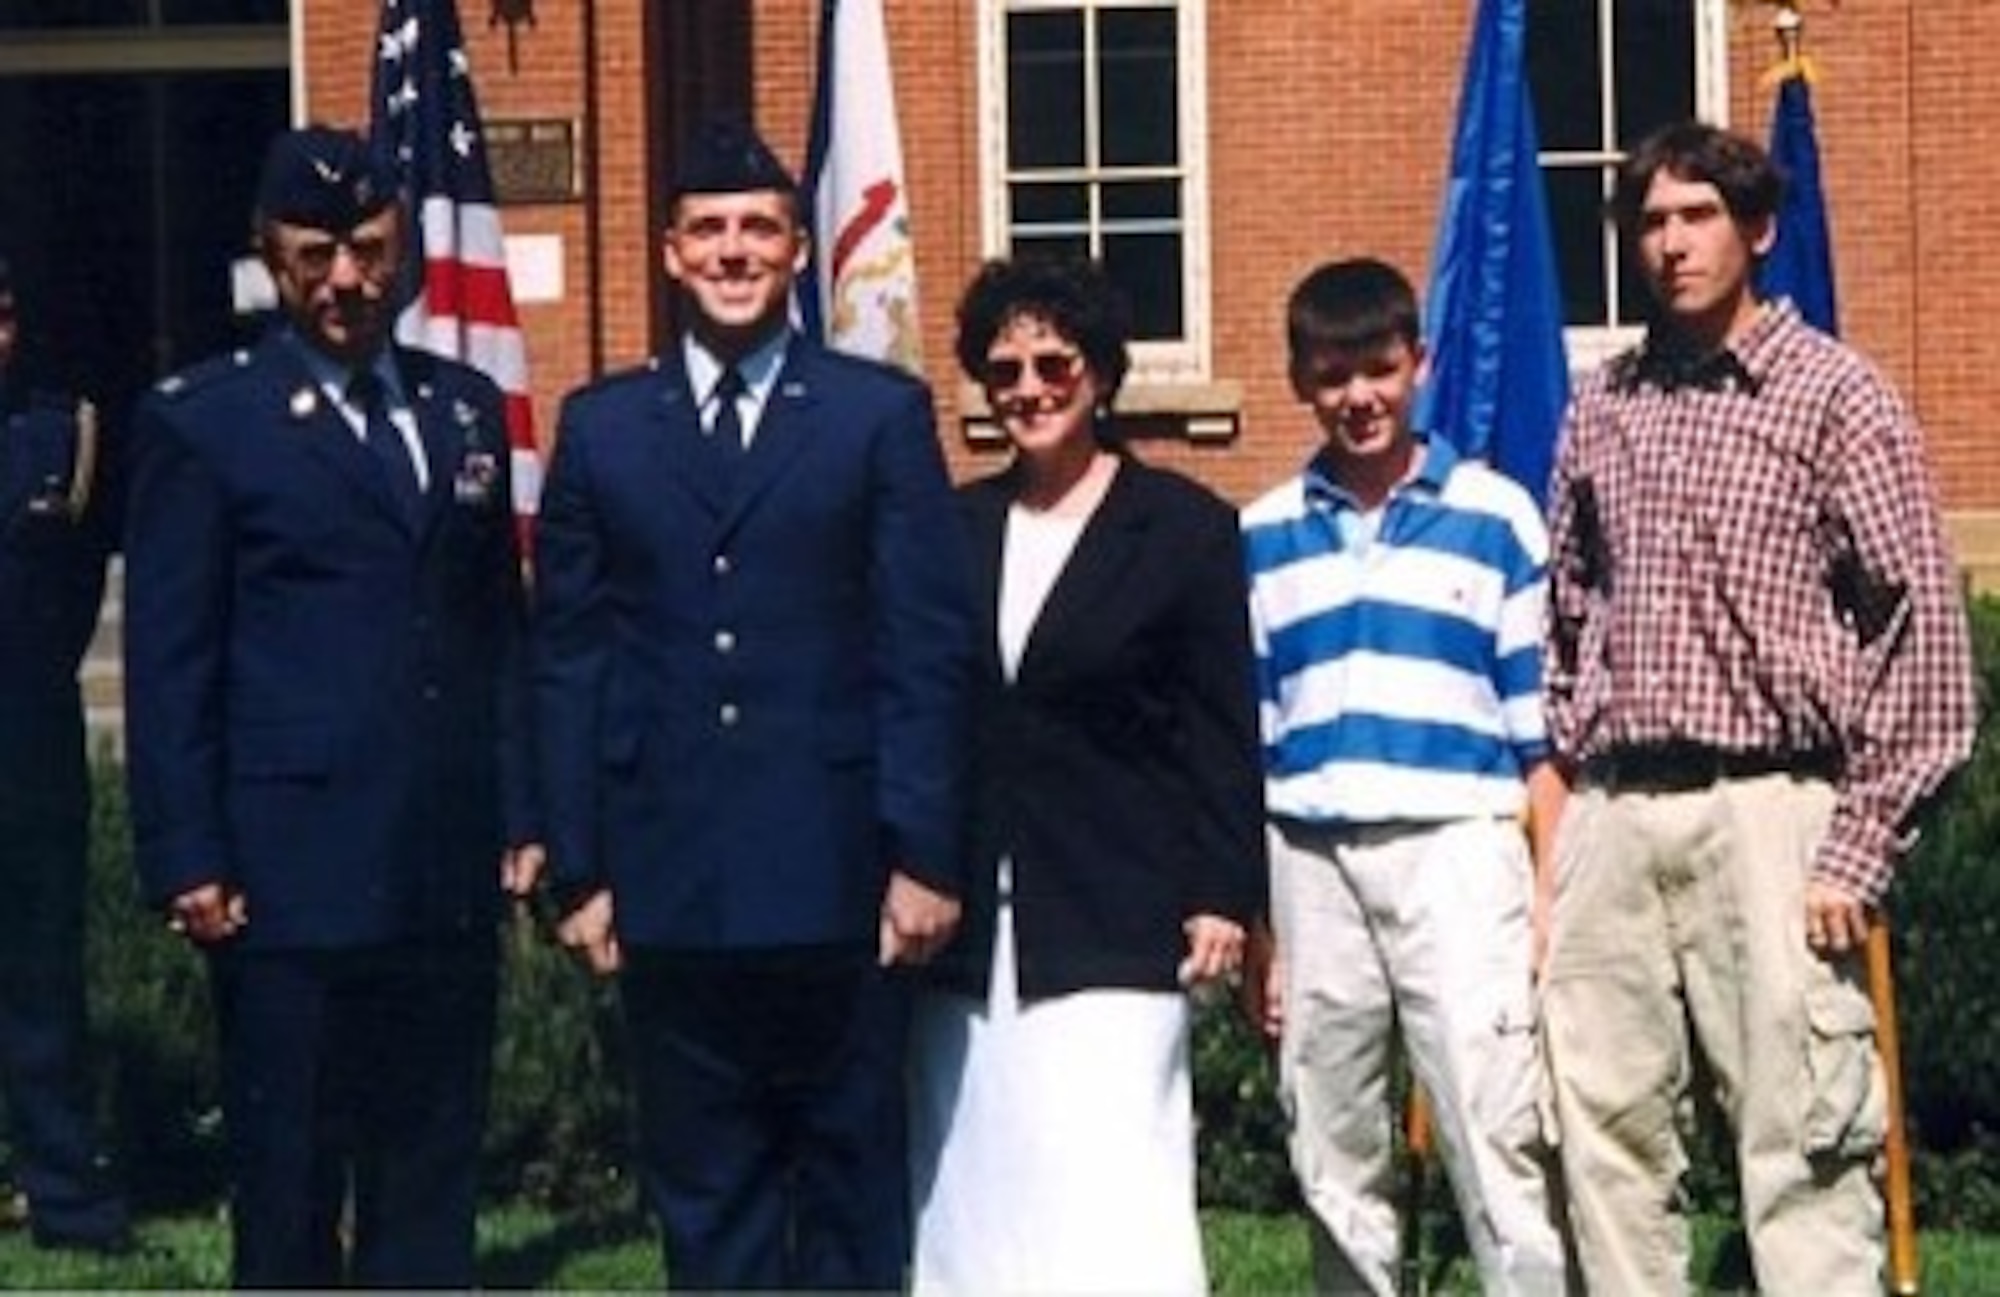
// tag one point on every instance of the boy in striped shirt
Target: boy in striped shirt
(1396, 597)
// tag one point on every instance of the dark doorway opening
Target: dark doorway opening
(124, 200)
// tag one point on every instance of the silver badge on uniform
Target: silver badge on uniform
(478, 473)
(477, 477)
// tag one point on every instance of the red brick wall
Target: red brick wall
(1903, 107)
(1329, 123)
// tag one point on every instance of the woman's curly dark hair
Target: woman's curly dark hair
(1072, 295)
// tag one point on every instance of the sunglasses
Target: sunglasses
(314, 257)
(1053, 368)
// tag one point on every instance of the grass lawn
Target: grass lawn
(527, 1248)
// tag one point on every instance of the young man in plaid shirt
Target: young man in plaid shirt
(1757, 672)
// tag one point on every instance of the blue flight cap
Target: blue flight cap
(728, 157)
(323, 178)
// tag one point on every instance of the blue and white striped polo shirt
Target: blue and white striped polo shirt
(1399, 666)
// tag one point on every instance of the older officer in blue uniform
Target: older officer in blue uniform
(325, 711)
(57, 526)
(753, 638)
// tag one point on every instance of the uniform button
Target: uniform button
(725, 641)
(729, 714)
(431, 693)
(721, 565)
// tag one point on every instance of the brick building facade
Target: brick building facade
(1325, 131)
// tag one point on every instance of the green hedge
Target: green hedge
(558, 1129)
(1945, 912)
(559, 1132)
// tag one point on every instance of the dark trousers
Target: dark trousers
(771, 1122)
(355, 1081)
(44, 821)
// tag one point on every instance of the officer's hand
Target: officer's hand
(587, 930)
(521, 869)
(208, 914)
(917, 921)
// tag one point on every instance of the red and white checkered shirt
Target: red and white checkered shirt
(1747, 556)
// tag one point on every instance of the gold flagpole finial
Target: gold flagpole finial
(1788, 24)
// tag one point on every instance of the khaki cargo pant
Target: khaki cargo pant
(1680, 921)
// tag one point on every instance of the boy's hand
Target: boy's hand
(1261, 996)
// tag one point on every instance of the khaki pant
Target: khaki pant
(1678, 915)
(1426, 928)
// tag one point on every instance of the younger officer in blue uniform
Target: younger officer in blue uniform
(753, 649)
(56, 529)
(324, 613)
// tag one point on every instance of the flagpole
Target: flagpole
(1804, 272)
(425, 122)
(593, 198)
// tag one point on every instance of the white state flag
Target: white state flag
(861, 213)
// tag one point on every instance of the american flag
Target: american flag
(427, 121)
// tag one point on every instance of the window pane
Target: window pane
(1051, 207)
(1045, 90)
(1565, 73)
(1143, 200)
(1653, 46)
(1148, 268)
(1576, 219)
(1636, 303)
(1139, 123)
(1028, 244)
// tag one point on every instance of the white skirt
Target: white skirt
(1052, 1144)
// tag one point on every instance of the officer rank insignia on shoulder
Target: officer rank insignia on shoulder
(175, 386)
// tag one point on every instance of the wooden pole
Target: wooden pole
(1896, 1145)
(1417, 1157)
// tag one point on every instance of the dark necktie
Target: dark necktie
(385, 442)
(724, 440)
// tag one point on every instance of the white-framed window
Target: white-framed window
(1094, 140)
(1605, 73)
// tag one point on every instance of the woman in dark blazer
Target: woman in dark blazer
(1116, 827)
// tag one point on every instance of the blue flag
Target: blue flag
(1498, 376)
(1800, 263)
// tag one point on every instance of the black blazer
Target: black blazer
(1120, 770)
